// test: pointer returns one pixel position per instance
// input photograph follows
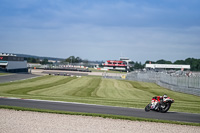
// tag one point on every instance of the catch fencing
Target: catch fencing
(113, 75)
(180, 83)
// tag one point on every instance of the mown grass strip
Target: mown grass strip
(138, 86)
(87, 90)
(25, 90)
(98, 115)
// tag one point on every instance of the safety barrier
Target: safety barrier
(181, 83)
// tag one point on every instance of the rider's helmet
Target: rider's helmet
(164, 96)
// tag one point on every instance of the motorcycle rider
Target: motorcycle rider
(158, 101)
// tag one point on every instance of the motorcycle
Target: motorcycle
(161, 106)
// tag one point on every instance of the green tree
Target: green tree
(33, 60)
(148, 61)
(163, 62)
(45, 61)
(70, 59)
(138, 65)
(179, 62)
(78, 60)
(132, 62)
(73, 59)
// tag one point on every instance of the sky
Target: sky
(101, 29)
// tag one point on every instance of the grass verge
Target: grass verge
(4, 74)
(98, 115)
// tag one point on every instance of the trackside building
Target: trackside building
(12, 63)
(120, 65)
(167, 66)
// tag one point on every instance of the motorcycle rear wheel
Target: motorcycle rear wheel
(165, 107)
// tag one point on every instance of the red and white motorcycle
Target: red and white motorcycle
(160, 103)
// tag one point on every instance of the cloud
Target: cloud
(98, 43)
(100, 30)
(58, 14)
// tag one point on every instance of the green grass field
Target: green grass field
(96, 90)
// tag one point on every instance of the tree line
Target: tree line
(37, 60)
(71, 59)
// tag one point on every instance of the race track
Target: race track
(86, 108)
(16, 76)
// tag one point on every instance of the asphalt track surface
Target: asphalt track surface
(15, 76)
(66, 73)
(99, 109)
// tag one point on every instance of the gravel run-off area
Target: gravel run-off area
(34, 122)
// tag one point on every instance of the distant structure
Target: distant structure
(12, 63)
(115, 65)
(121, 65)
(167, 66)
(126, 59)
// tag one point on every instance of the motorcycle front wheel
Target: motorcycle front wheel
(148, 107)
